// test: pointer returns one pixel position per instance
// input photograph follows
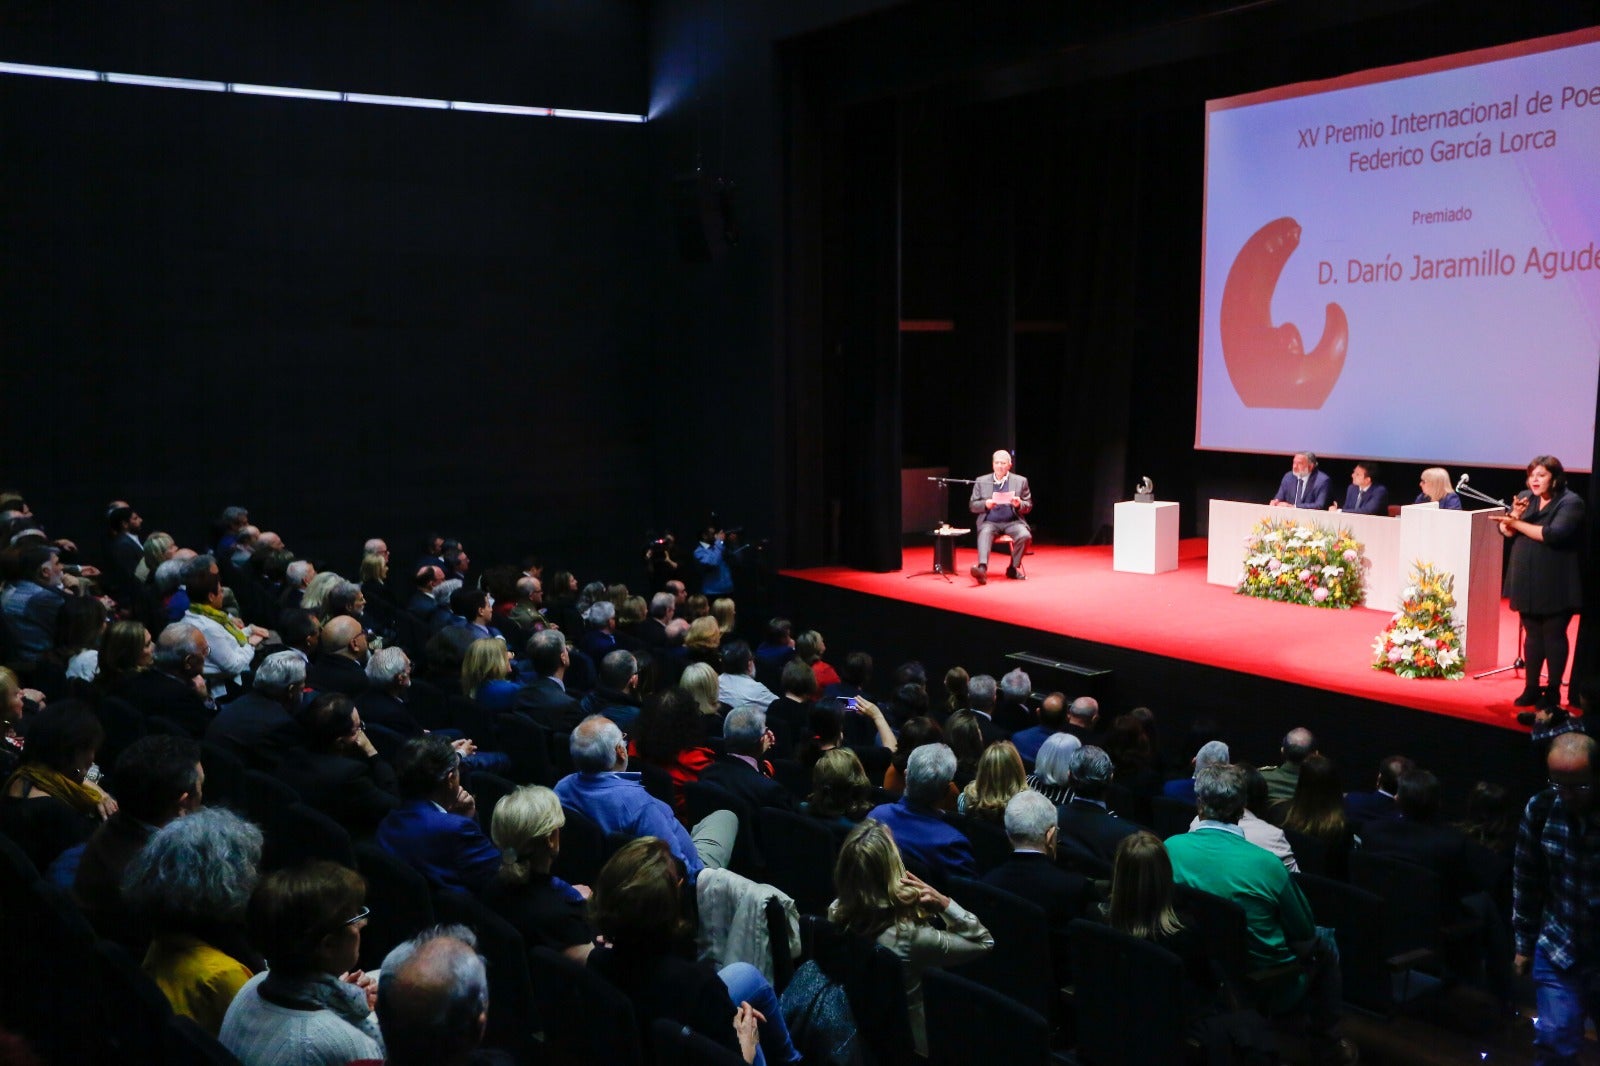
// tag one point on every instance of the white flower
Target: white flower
(1332, 571)
(1409, 592)
(1447, 657)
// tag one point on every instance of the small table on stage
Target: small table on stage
(944, 552)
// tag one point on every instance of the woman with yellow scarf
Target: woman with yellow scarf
(50, 801)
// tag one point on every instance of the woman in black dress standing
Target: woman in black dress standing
(1544, 579)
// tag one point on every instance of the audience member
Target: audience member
(1298, 743)
(544, 696)
(913, 734)
(614, 799)
(486, 675)
(917, 820)
(737, 685)
(1000, 776)
(313, 1005)
(29, 605)
(742, 768)
(1088, 828)
(261, 726)
(339, 771)
(879, 899)
(189, 886)
(638, 911)
(1364, 807)
(840, 795)
(1216, 858)
(1211, 753)
(1031, 872)
(173, 687)
(1082, 716)
(433, 998)
(341, 662)
(51, 800)
(1141, 906)
(1317, 810)
(669, 735)
(982, 693)
(809, 648)
(1052, 773)
(1257, 830)
(616, 695)
(1052, 719)
(230, 645)
(434, 828)
(1014, 711)
(546, 910)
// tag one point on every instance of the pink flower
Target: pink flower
(1319, 595)
(1349, 555)
(1395, 655)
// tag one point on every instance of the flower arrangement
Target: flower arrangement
(1295, 563)
(1422, 639)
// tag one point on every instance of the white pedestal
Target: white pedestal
(1466, 544)
(1145, 537)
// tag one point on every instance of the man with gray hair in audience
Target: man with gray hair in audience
(261, 726)
(616, 693)
(1215, 857)
(1088, 828)
(1014, 711)
(1031, 871)
(926, 840)
(982, 692)
(544, 696)
(1298, 745)
(653, 630)
(1211, 753)
(599, 630)
(296, 577)
(616, 801)
(742, 767)
(173, 687)
(433, 998)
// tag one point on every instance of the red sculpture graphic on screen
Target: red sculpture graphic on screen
(1268, 364)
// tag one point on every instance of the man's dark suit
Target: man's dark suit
(1036, 878)
(1014, 716)
(1437, 847)
(983, 489)
(992, 730)
(379, 708)
(257, 729)
(652, 632)
(543, 700)
(745, 782)
(1363, 807)
(1317, 494)
(335, 673)
(357, 793)
(1087, 829)
(156, 692)
(450, 850)
(621, 707)
(1366, 501)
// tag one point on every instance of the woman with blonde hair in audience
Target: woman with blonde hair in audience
(486, 672)
(12, 695)
(317, 590)
(695, 605)
(809, 648)
(158, 548)
(699, 680)
(1000, 776)
(879, 899)
(190, 885)
(703, 642)
(726, 614)
(546, 910)
(841, 795)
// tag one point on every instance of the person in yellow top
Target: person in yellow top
(192, 884)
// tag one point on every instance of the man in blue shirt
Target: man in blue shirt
(917, 821)
(607, 794)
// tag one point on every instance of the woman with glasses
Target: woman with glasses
(312, 1007)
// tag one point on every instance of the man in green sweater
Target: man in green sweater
(1215, 857)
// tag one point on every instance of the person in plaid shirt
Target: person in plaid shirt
(1556, 894)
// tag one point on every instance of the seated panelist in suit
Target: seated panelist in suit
(1365, 495)
(1001, 499)
(435, 828)
(1304, 485)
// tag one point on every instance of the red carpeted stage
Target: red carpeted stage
(1074, 593)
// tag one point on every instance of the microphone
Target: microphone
(1463, 481)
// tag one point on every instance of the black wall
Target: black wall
(356, 320)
